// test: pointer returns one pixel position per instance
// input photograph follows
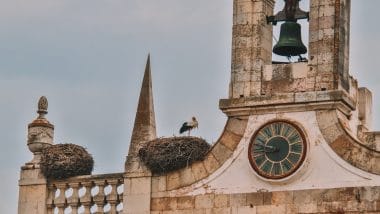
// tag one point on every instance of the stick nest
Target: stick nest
(62, 161)
(164, 155)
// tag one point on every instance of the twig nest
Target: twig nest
(62, 161)
(168, 154)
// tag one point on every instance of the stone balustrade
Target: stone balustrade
(86, 194)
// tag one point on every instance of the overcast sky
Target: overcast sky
(88, 58)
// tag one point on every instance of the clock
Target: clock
(277, 150)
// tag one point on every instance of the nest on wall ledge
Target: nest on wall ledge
(164, 155)
(63, 161)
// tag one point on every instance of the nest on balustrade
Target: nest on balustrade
(63, 161)
(164, 155)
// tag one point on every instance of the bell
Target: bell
(290, 42)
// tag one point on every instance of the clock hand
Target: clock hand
(261, 151)
(266, 146)
(272, 150)
(266, 149)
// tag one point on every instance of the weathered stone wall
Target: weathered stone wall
(329, 44)
(284, 78)
(251, 46)
(32, 192)
(328, 66)
(341, 200)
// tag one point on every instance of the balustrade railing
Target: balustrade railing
(86, 194)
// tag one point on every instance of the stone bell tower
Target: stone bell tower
(253, 73)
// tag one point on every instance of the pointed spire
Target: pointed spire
(144, 128)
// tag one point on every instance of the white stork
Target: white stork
(188, 126)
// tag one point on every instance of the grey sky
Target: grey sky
(88, 58)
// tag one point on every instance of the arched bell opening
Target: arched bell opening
(290, 34)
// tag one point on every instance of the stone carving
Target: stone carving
(40, 135)
(42, 106)
(40, 132)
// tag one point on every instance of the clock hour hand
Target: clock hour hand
(266, 148)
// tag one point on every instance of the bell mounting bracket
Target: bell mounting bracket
(291, 12)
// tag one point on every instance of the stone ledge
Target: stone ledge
(288, 102)
(89, 178)
(32, 182)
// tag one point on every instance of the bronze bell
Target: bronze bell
(290, 42)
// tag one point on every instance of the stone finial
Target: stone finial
(41, 120)
(40, 133)
(144, 128)
(42, 107)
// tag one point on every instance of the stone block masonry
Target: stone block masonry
(341, 200)
(251, 46)
(328, 66)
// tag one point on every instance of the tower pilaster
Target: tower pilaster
(32, 184)
(251, 46)
(329, 36)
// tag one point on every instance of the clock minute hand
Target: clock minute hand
(272, 150)
(266, 148)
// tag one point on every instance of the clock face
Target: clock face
(277, 150)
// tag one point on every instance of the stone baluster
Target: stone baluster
(120, 195)
(113, 207)
(87, 195)
(87, 207)
(60, 201)
(112, 198)
(86, 199)
(50, 200)
(74, 210)
(50, 209)
(73, 201)
(121, 210)
(61, 210)
(99, 199)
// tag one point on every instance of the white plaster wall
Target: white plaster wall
(322, 168)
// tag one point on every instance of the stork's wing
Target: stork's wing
(184, 128)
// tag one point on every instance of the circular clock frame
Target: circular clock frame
(278, 151)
